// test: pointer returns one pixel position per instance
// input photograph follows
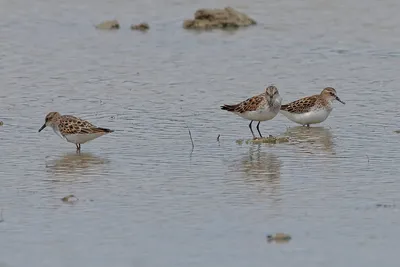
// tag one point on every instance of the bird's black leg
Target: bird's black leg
(78, 148)
(258, 129)
(254, 137)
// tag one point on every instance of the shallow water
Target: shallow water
(147, 199)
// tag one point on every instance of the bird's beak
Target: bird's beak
(41, 128)
(338, 99)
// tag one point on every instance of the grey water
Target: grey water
(147, 199)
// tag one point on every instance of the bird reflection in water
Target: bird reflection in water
(262, 169)
(72, 164)
(311, 139)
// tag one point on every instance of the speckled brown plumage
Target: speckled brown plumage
(302, 105)
(250, 104)
(72, 125)
(309, 103)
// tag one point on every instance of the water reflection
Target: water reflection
(261, 169)
(75, 165)
(312, 138)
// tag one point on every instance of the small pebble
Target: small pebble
(69, 198)
(108, 25)
(279, 237)
(141, 27)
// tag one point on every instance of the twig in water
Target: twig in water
(1, 216)
(218, 138)
(190, 135)
(367, 158)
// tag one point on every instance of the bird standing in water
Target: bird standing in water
(262, 107)
(311, 109)
(73, 129)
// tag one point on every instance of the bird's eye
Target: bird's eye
(332, 94)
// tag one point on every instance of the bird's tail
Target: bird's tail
(105, 130)
(230, 108)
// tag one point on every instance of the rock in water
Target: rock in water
(141, 27)
(108, 25)
(69, 199)
(279, 238)
(218, 18)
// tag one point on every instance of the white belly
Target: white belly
(57, 132)
(258, 115)
(82, 138)
(311, 117)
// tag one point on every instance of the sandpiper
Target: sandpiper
(73, 129)
(311, 109)
(259, 108)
